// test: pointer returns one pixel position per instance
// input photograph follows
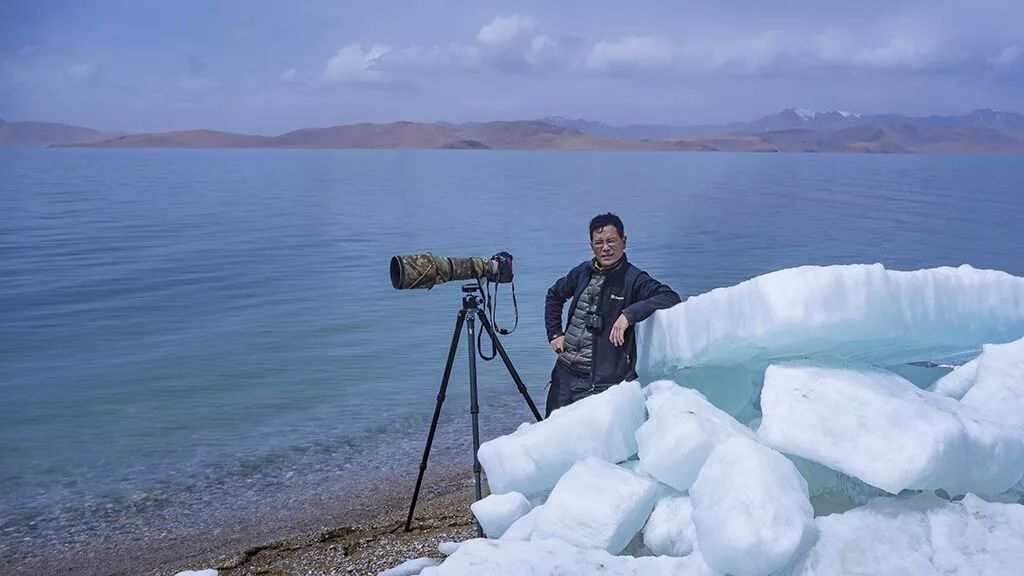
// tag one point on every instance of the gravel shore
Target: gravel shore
(359, 532)
(361, 549)
(364, 548)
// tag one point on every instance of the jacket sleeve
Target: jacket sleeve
(563, 289)
(649, 295)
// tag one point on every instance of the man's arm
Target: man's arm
(649, 295)
(563, 289)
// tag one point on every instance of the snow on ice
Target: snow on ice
(998, 390)
(876, 426)
(958, 382)
(751, 509)
(522, 528)
(670, 530)
(597, 504)
(855, 312)
(497, 512)
(535, 456)
(554, 556)
(680, 434)
(922, 536)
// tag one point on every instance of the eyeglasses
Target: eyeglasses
(601, 243)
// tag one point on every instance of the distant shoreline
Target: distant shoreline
(961, 153)
(981, 132)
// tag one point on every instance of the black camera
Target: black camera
(595, 322)
(500, 268)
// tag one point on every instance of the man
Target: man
(609, 295)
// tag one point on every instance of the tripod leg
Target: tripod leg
(508, 364)
(474, 410)
(437, 414)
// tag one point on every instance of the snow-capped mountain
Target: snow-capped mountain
(800, 118)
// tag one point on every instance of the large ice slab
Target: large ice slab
(535, 456)
(876, 426)
(998, 390)
(670, 530)
(856, 312)
(680, 434)
(923, 536)
(552, 556)
(751, 509)
(598, 505)
(497, 512)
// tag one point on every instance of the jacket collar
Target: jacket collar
(595, 267)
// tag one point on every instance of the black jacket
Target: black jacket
(626, 290)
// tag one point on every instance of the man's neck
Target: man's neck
(610, 267)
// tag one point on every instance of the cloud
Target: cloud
(290, 75)
(352, 64)
(517, 44)
(505, 29)
(542, 49)
(898, 53)
(506, 44)
(775, 52)
(80, 71)
(1007, 57)
(415, 59)
(630, 54)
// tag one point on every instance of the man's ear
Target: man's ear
(624, 242)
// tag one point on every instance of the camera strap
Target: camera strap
(515, 309)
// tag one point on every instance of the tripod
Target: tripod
(472, 304)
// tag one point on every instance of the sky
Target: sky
(266, 67)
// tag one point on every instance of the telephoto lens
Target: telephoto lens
(426, 270)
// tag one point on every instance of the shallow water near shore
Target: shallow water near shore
(198, 344)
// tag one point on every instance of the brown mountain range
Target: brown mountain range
(37, 134)
(415, 135)
(842, 134)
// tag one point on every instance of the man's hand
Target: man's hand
(618, 335)
(557, 343)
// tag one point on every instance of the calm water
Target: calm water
(201, 334)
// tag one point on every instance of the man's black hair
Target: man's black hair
(602, 220)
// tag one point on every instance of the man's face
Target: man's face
(607, 245)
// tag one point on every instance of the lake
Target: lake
(195, 340)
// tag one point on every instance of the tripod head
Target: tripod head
(471, 298)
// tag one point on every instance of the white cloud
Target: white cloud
(80, 71)
(542, 48)
(898, 53)
(290, 75)
(430, 59)
(772, 51)
(352, 64)
(507, 43)
(505, 29)
(752, 53)
(1006, 57)
(631, 53)
(516, 44)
